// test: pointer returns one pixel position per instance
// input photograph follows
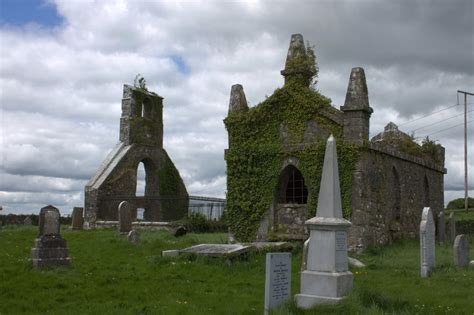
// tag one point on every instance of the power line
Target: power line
(444, 129)
(439, 111)
(440, 121)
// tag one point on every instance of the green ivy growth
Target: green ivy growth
(256, 150)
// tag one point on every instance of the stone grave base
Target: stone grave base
(323, 287)
(50, 251)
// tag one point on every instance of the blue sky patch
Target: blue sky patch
(181, 64)
(21, 12)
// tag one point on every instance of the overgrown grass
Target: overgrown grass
(461, 215)
(111, 276)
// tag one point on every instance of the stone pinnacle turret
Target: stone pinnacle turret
(357, 96)
(296, 66)
(237, 101)
(329, 200)
(356, 108)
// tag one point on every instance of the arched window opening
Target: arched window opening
(292, 186)
(141, 180)
(396, 195)
(146, 108)
(426, 194)
(140, 214)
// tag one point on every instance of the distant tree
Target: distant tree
(459, 203)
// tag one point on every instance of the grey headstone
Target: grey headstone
(27, 221)
(50, 248)
(427, 242)
(216, 249)
(441, 228)
(451, 228)
(77, 218)
(325, 277)
(461, 251)
(49, 221)
(124, 217)
(133, 237)
(277, 280)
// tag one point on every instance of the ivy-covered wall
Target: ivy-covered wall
(258, 148)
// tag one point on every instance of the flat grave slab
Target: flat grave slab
(216, 250)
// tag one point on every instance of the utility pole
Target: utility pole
(465, 149)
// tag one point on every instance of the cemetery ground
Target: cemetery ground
(111, 276)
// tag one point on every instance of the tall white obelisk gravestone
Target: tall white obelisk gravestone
(325, 277)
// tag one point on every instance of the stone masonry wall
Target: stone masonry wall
(388, 196)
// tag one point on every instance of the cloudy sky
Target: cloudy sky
(63, 65)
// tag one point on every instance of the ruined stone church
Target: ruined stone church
(141, 141)
(274, 161)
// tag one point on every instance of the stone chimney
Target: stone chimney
(356, 108)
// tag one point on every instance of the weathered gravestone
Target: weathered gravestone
(325, 278)
(441, 228)
(124, 217)
(50, 248)
(427, 242)
(277, 280)
(133, 237)
(77, 218)
(461, 251)
(27, 221)
(451, 228)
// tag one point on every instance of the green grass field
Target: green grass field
(111, 276)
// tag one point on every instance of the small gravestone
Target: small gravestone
(180, 231)
(27, 221)
(461, 251)
(124, 217)
(133, 237)
(77, 218)
(441, 228)
(216, 250)
(427, 242)
(451, 228)
(50, 248)
(277, 280)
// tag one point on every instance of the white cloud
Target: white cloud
(60, 88)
